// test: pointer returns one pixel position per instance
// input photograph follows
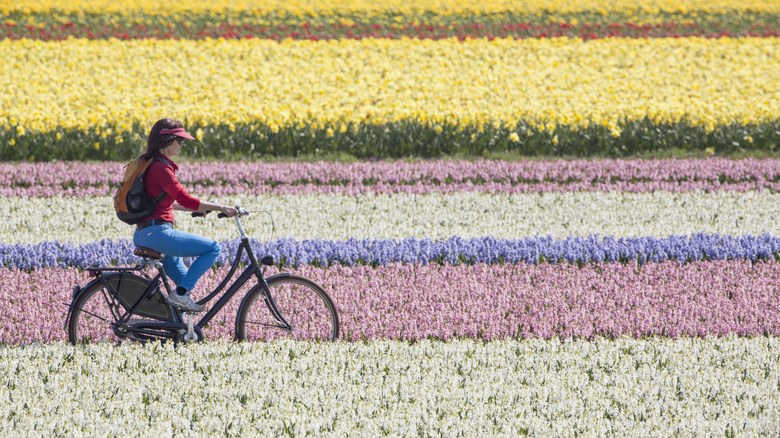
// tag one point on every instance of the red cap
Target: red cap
(179, 132)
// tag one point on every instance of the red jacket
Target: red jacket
(162, 176)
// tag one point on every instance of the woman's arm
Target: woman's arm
(179, 207)
(210, 206)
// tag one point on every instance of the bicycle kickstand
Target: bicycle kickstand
(190, 328)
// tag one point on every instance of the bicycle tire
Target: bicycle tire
(91, 316)
(96, 309)
(301, 302)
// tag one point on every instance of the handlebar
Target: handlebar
(241, 212)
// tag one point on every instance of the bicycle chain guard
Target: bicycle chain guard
(131, 288)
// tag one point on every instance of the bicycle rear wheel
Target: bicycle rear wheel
(99, 307)
(305, 312)
(92, 316)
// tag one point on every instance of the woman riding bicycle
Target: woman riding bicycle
(165, 139)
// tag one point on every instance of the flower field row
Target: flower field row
(721, 386)
(277, 32)
(434, 216)
(82, 179)
(296, 8)
(455, 250)
(368, 19)
(379, 98)
(487, 302)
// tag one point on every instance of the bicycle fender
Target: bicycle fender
(282, 274)
(77, 291)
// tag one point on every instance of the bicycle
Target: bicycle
(120, 304)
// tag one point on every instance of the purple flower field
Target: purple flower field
(455, 250)
(216, 178)
(414, 301)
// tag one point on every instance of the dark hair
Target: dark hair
(157, 141)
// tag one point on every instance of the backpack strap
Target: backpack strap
(156, 158)
(163, 194)
(160, 198)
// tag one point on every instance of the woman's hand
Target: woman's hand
(228, 210)
(213, 206)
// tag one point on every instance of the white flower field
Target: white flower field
(435, 216)
(650, 387)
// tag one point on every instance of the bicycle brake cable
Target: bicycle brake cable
(273, 224)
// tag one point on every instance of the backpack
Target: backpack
(131, 203)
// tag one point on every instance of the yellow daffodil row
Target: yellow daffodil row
(374, 7)
(86, 85)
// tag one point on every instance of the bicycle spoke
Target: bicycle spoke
(93, 316)
(279, 326)
(96, 316)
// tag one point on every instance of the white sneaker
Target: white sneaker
(184, 302)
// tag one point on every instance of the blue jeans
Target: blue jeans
(176, 244)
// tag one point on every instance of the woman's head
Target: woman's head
(163, 134)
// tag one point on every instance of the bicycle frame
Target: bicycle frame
(254, 269)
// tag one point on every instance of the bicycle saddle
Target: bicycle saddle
(142, 251)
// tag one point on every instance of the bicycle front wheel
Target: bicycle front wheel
(295, 308)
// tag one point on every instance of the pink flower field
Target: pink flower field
(413, 301)
(448, 176)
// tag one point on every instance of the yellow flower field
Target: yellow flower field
(331, 7)
(87, 84)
